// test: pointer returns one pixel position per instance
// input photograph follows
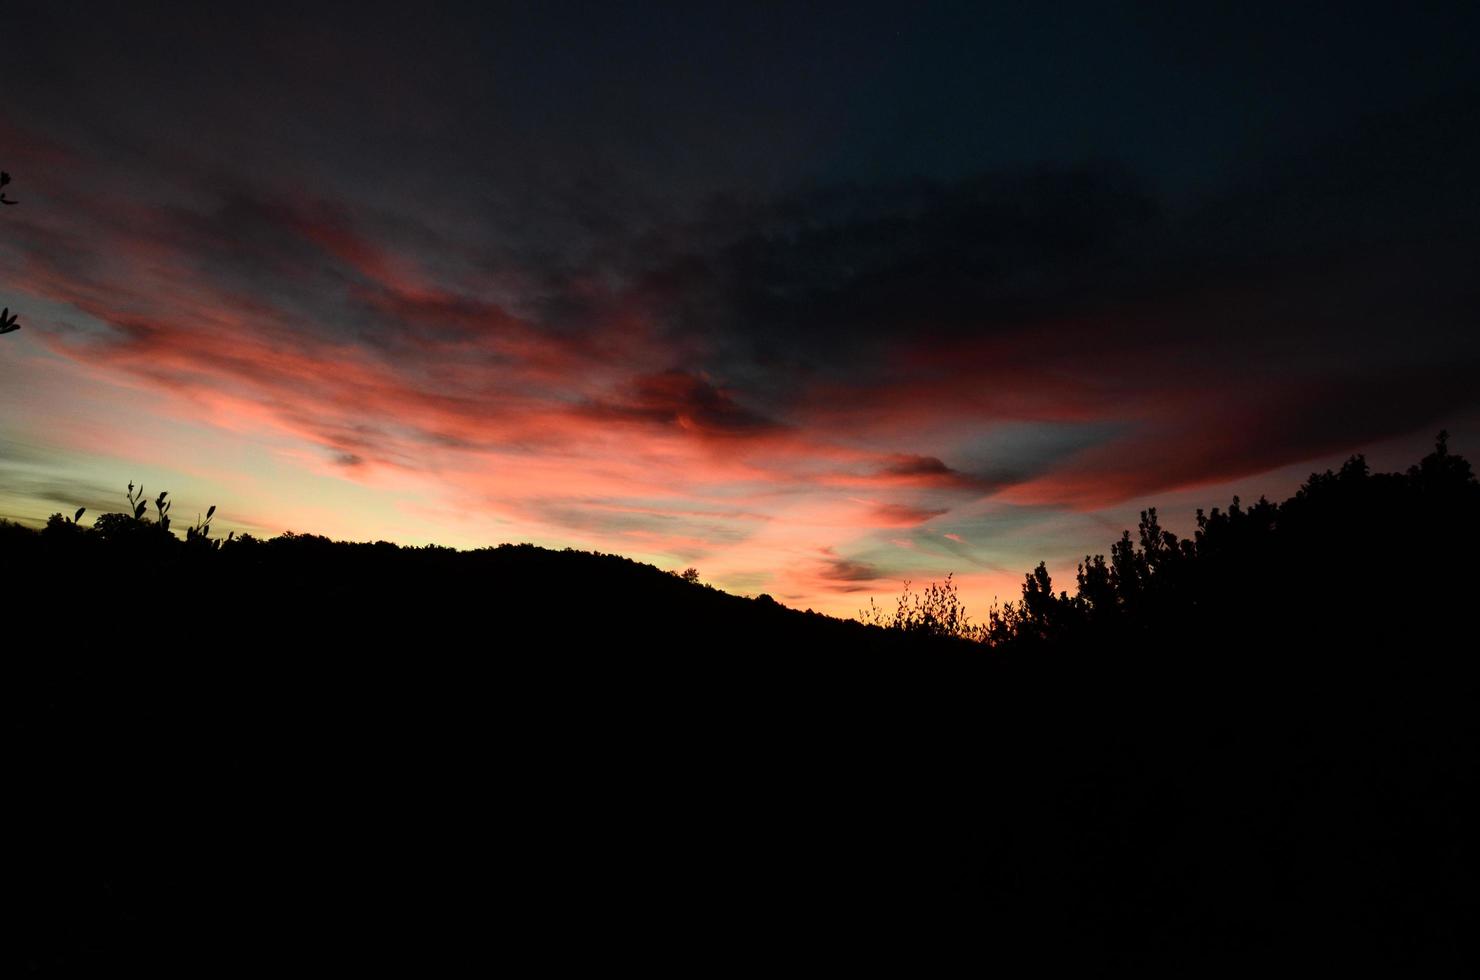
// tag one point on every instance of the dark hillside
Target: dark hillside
(1260, 742)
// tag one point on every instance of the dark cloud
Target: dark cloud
(847, 575)
(64, 492)
(491, 232)
(13, 452)
(841, 266)
(931, 472)
(674, 398)
(907, 465)
(1219, 440)
(1049, 293)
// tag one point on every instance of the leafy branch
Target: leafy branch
(7, 319)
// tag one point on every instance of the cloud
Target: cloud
(846, 575)
(745, 371)
(922, 466)
(64, 492)
(676, 398)
(904, 515)
(872, 317)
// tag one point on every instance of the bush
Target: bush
(938, 611)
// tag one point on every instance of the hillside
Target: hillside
(1255, 743)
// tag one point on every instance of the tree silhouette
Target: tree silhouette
(1322, 534)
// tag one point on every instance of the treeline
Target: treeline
(1347, 539)
(1349, 543)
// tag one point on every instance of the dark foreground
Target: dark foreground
(334, 758)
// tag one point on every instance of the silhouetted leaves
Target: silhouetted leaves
(935, 612)
(8, 320)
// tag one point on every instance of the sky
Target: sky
(814, 298)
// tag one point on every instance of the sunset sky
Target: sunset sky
(815, 298)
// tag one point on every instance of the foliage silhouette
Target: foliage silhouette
(937, 612)
(1159, 583)
(137, 502)
(8, 320)
(199, 535)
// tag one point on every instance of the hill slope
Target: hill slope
(1259, 743)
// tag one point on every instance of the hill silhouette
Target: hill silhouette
(1256, 743)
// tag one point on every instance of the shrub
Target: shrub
(938, 611)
